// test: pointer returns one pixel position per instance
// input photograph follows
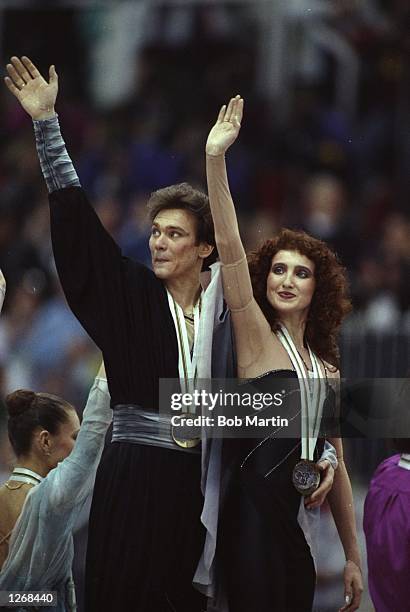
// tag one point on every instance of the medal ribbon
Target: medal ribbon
(187, 364)
(311, 399)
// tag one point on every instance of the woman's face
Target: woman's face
(62, 443)
(291, 283)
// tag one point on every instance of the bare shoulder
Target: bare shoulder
(12, 496)
(3, 492)
(268, 353)
(7, 521)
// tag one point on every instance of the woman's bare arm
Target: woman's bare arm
(340, 500)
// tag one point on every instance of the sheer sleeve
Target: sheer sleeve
(237, 293)
(250, 326)
(237, 283)
(72, 480)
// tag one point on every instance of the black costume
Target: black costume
(266, 561)
(145, 535)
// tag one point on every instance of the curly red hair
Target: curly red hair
(330, 302)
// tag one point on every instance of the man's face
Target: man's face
(174, 252)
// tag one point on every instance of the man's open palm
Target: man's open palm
(35, 95)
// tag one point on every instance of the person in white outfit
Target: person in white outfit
(55, 471)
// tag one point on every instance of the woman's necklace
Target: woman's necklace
(25, 475)
(304, 362)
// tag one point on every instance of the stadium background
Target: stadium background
(324, 147)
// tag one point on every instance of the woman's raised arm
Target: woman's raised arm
(250, 326)
(220, 138)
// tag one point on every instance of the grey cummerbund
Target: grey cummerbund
(137, 426)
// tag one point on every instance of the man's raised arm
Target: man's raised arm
(89, 263)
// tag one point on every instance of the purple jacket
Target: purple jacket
(386, 525)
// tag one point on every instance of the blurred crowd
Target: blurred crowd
(303, 161)
(337, 175)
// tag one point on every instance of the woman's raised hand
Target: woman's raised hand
(35, 95)
(226, 129)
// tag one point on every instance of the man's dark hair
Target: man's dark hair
(184, 197)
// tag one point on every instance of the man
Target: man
(145, 536)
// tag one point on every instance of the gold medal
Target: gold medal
(177, 432)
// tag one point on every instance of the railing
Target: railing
(374, 355)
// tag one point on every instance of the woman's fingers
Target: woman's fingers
(234, 111)
(228, 113)
(353, 587)
(357, 586)
(21, 69)
(30, 67)
(318, 497)
(316, 503)
(356, 601)
(221, 114)
(352, 602)
(239, 112)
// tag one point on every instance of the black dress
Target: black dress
(266, 561)
(145, 534)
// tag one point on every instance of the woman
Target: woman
(265, 538)
(39, 504)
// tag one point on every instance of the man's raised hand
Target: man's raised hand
(226, 129)
(35, 95)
